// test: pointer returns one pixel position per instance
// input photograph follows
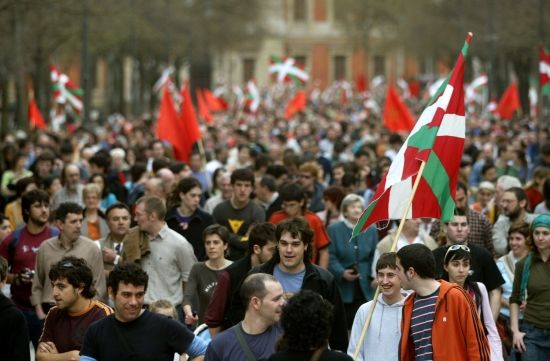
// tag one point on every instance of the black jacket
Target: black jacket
(193, 233)
(14, 335)
(319, 280)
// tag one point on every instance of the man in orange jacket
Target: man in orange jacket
(440, 321)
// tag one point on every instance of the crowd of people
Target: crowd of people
(114, 250)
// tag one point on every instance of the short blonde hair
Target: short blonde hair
(91, 188)
(163, 304)
(311, 168)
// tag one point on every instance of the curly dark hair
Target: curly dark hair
(306, 321)
(127, 273)
(65, 208)
(298, 228)
(184, 186)
(76, 272)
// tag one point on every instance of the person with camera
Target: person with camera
(20, 248)
(350, 259)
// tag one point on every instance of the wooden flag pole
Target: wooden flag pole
(359, 344)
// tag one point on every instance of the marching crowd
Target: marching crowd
(112, 250)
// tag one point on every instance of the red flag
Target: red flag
(204, 112)
(397, 117)
(361, 83)
(509, 102)
(169, 128)
(214, 103)
(296, 104)
(188, 119)
(36, 120)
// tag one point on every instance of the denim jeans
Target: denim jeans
(537, 343)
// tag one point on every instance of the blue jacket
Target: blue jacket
(345, 252)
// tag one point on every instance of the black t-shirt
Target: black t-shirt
(482, 266)
(151, 337)
(327, 355)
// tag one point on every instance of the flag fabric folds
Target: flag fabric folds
(296, 104)
(436, 139)
(36, 120)
(204, 110)
(65, 91)
(509, 102)
(188, 120)
(287, 70)
(544, 72)
(169, 128)
(397, 117)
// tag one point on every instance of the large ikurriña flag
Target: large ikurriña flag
(437, 139)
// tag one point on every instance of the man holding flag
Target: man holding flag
(428, 163)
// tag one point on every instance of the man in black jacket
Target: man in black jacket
(291, 265)
(14, 336)
(226, 308)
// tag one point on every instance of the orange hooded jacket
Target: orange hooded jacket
(457, 332)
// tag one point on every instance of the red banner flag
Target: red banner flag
(509, 102)
(397, 117)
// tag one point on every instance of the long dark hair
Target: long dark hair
(462, 255)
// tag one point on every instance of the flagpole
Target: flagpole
(392, 249)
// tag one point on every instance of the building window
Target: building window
(300, 10)
(379, 65)
(339, 67)
(249, 65)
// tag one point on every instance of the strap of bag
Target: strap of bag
(123, 340)
(525, 276)
(242, 342)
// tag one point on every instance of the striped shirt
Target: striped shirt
(421, 326)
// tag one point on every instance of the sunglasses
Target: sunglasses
(67, 265)
(456, 247)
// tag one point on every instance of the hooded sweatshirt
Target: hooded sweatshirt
(382, 338)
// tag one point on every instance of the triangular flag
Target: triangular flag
(436, 139)
(544, 72)
(169, 128)
(36, 120)
(296, 104)
(204, 112)
(397, 117)
(509, 102)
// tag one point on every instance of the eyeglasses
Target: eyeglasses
(456, 247)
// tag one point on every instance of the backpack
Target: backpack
(15, 240)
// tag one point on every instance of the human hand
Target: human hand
(109, 255)
(47, 347)
(190, 319)
(349, 275)
(519, 345)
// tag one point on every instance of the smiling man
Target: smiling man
(386, 320)
(291, 265)
(258, 333)
(132, 333)
(73, 313)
